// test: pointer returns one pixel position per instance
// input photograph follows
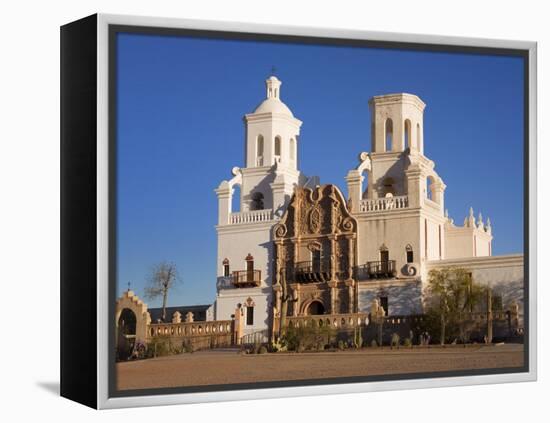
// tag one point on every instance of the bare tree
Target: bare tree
(162, 278)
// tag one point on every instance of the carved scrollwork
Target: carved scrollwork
(280, 231)
(336, 216)
(410, 270)
(314, 246)
(315, 219)
(347, 224)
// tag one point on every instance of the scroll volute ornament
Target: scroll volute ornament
(314, 246)
(347, 224)
(280, 230)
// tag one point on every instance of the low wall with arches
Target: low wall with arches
(134, 327)
(345, 326)
(198, 335)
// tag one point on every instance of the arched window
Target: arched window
(429, 187)
(236, 199)
(226, 270)
(389, 135)
(407, 133)
(292, 149)
(418, 138)
(384, 254)
(278, 148)
(366, 182)
(249, 315)
(260, 151)
(249, 267)
(410, 254)
(257, 201)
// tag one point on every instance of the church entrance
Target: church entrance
(126, 334)
(315, 308)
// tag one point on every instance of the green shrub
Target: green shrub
(407, 342)
(257, 346)
(159, 346)
(262, 350)
(373, 343)
(312, 337)
(395, 340)
(341, 345)
(187, 347)
(358, 341)
(279, 346)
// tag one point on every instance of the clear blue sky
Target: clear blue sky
(180, 131)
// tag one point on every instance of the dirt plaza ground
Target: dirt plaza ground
(229, 366)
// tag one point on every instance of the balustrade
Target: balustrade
(384, 204)
(187, 329)
(254, 216)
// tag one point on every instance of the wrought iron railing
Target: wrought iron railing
(247, 278)
(376, 270)
(312, 271)
(224, 282)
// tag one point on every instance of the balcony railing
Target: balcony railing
(384, 204)
(254, 216)
(312, 271)
(247, 278)
(224, 282)
(376, 270)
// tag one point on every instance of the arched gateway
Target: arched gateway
(126, 333)
(315, 308)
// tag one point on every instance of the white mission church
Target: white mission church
(339, 254)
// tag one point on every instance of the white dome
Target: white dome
(273, 105)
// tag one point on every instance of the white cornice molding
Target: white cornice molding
(479, 262)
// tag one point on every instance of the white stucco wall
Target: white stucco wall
(228, 299)
(404, 297)
(235, 242)
(394, 230)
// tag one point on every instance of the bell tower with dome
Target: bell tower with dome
(267, 182)
(272, 131)
(271, 153)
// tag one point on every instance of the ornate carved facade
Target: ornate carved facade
(315, 250)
